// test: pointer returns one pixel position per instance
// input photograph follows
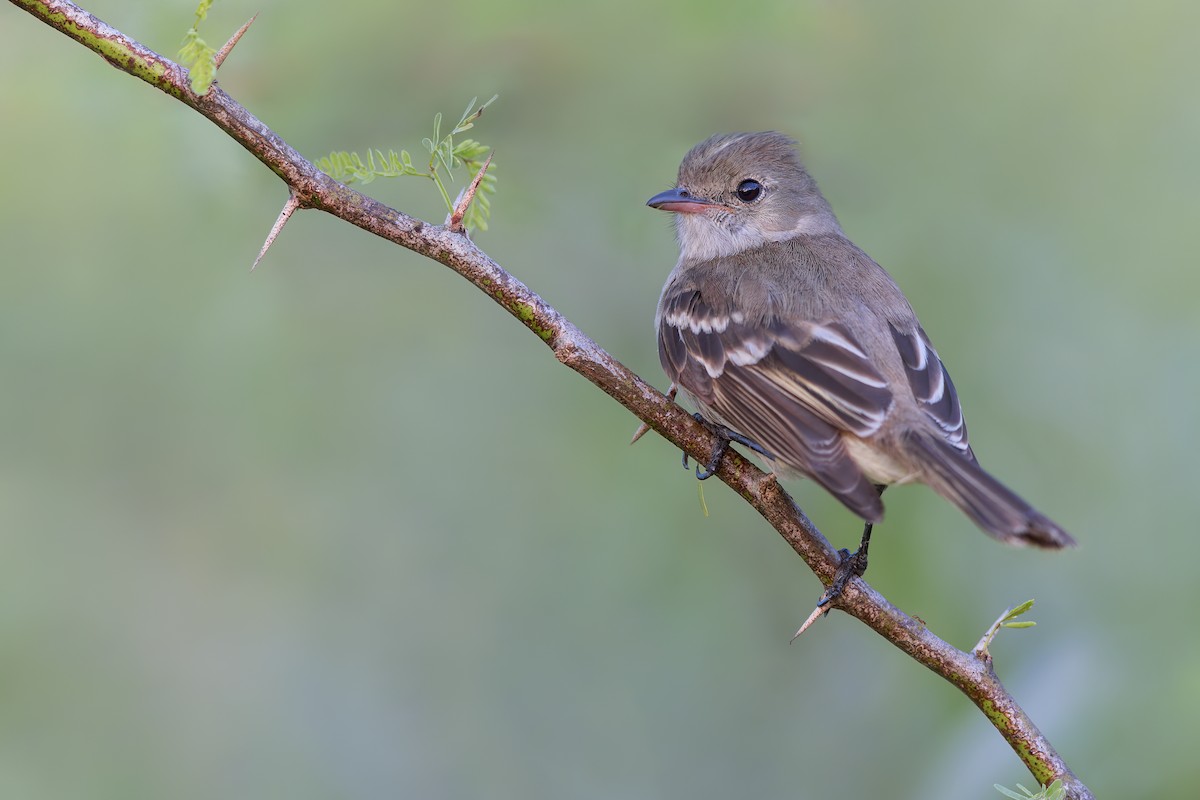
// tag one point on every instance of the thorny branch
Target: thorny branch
(311, 188)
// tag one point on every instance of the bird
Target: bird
(790, 339)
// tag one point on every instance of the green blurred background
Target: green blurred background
(342, 528)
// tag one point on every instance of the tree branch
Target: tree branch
(311, 188)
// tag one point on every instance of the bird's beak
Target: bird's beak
(681, 201)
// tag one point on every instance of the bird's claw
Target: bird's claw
(725, 437)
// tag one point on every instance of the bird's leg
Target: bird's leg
(725, 437)
(852, 565)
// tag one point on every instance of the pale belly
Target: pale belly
(878, 467)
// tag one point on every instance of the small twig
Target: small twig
(289, 208)
(464, 200)
(1003, 621)
(219, 58)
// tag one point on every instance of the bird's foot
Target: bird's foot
(851, 565)
(725, 437)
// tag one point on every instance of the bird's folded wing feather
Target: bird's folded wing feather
(932, 387)
(793, 387)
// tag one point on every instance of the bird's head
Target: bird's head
(739, 191)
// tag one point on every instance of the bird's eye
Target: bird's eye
(749, 190)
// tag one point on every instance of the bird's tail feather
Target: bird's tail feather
(993, 506)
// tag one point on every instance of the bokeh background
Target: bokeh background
(342, 528)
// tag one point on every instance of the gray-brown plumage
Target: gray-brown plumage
(782, 330)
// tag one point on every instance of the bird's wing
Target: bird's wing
(793, 388)
(932, 387)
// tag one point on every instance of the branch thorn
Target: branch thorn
(644, 428)
(464, 199)
(289, 208)
(817, 613)
(219, 58)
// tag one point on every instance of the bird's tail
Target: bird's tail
(993, 506)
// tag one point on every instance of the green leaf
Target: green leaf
(470, 150)
(197, 56)
(1054, 791)
(467, 121)
(466, 113)
(451, 164)
(1021, 609)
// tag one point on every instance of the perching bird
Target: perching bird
(785, 333)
